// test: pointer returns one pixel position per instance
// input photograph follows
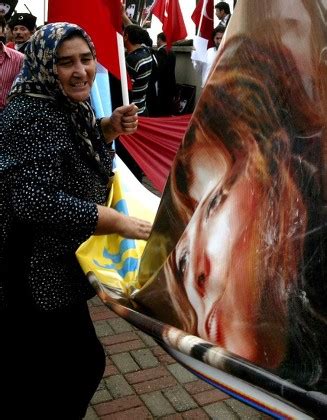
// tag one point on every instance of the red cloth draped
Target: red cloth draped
(154, 145)
(101, 19)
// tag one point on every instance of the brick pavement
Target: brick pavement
(142, 381)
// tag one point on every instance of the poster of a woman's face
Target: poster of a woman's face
(247, 187)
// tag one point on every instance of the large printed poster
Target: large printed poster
(139, 11)
(237, 256)
(238, 252)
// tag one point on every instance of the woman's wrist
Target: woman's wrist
(107, 129)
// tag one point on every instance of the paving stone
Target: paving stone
(196, 414)
(125, 362)
(120, 338)
(115, 406)
(172, 417)
(220, 411)
(147, 339)
(244, 410)
(101, 396)
(210, 396)
(181, 374)
(124, 347)
(138, 413)
(165, 359)
(147, 374)
(118, 386)
(154, 385)
(180, 399)
(110, 370)
(157, 404)
(101, 315)
(102, 385)
(103, 329)
(162, 355)
(102, 308)
(119, 325)
(90, 414)
(158, 350)
(145, 358)
(96, 301)
(197, 386)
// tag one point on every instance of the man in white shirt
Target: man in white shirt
(205, 67)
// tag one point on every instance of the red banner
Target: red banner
(102, 20)
(154, 145)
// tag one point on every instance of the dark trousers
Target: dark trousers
(51, 364)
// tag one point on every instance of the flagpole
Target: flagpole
(204, 5)
(122, 67)
(45, 13)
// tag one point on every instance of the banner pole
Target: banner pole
(45, 12)
(122, 67)
(204, 6)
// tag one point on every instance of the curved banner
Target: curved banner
(233, 278)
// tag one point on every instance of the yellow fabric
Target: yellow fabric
(113, 259)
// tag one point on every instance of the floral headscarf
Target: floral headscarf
(39, 77)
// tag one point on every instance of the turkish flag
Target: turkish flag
(205, 24)
(170, 15)
(101, 19)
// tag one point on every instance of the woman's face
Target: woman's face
(215, 281)
(76, 68)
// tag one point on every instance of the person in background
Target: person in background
(146, 41)
(139, 68)
(23, 26)
(139, 65)
(205, 67)
(7, 8)
(11, 62)
(152, 90)
(223, 13)
(56, 168)
(166, 77)
(9, 37)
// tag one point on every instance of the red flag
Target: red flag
(170, 15)
(101, 19)
(205, 24)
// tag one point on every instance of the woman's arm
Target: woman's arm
(123, 120)
(111, 221)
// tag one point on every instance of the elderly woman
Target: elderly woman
(56, 162)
